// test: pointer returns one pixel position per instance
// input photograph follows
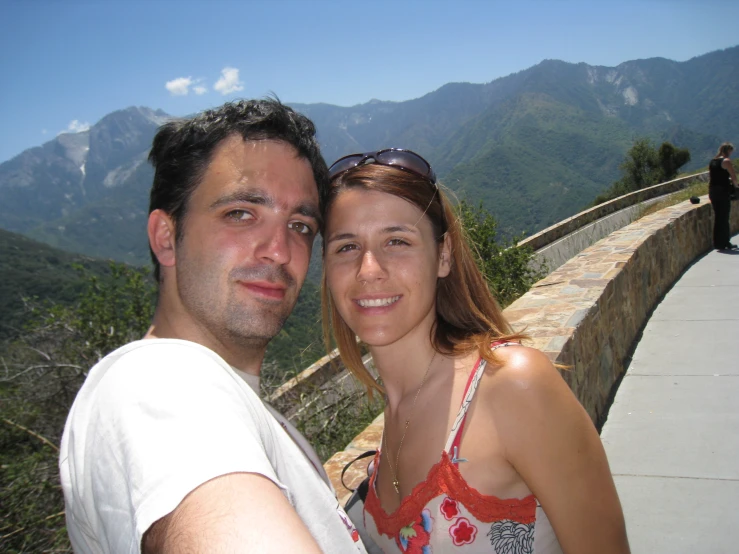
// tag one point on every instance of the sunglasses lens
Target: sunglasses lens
(344, 164)
(404, 159)
(407, 160)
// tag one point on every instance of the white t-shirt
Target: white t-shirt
(159, 417)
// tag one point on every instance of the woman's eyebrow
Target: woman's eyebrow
(341, 236)
(385, 230)
(400, 229)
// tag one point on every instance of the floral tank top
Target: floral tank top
(443, 514)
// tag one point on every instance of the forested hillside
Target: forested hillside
(30, 269)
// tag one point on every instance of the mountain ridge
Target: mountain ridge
(535, 146)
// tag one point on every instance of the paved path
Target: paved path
(672, 434)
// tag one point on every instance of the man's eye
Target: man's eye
(300, 227)
(239, 215)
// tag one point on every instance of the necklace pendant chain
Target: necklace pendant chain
(395, 470)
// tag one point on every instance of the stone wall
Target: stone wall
(578, 221)
(290, 392)
(589, 312)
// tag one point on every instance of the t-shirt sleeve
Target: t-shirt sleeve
(165, 420)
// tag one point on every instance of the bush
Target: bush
(644, 166)
(43, 370)
(507, 267)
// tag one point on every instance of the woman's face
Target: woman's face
(382, 263)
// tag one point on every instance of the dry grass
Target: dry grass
(698, 189)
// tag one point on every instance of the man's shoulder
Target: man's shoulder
(159, 368)
(159, 355)
(155, 348)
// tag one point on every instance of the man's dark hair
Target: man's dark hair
(183, 148)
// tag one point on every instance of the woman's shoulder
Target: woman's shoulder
(523, 376)
(520, 363)
(530, 401)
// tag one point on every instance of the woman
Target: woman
(478, 429)
(720, 187)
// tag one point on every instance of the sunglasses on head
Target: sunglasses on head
(392, 157)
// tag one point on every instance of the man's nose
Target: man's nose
(274, 245)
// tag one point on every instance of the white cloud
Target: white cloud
(200, 90)
(229, 81)
(179, 86)
(44, 131)
(76, 126)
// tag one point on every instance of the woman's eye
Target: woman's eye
(346, 248)
(300, 227)
(397, 242)
(239, 215)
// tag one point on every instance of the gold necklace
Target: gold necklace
(396, 483)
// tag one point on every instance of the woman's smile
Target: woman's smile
(377, 302)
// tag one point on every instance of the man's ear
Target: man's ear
(445, 257)
(162, 237)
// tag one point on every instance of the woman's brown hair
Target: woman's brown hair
(468, 318)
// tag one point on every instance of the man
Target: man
(168, 447)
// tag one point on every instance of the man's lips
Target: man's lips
(267, 289)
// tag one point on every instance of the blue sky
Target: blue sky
(67, 63)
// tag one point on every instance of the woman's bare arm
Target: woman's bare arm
(728, 166)
(235, 513)
(552, 443)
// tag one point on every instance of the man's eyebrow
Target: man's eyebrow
(309, 210)
(262, 198)
(247, 196)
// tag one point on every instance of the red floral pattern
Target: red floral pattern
(415, 537)
(463, 532)
(449, 508)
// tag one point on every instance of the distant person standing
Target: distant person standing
(721, 185)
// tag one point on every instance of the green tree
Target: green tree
(644, 165)
(508, 268)
(671, 159)
(42, 372)
(640, 167)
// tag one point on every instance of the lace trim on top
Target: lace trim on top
(444, 478)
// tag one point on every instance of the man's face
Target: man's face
(246, 242)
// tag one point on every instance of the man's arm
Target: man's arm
(239, 512)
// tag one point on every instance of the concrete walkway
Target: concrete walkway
(672, 433)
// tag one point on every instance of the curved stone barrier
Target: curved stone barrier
(588, 313)
(287, 394)
(577, 221)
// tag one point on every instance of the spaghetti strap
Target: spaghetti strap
(455, 435)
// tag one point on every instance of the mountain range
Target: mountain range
(534, 147)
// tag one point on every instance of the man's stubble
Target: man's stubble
(226, 309)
